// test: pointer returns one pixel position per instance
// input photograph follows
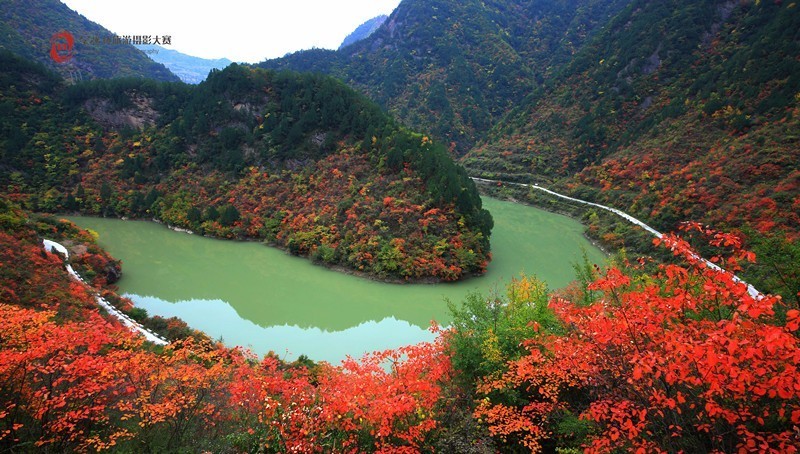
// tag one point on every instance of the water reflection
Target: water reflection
(220, 320)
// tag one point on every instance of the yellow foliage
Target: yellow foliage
(491, 348)
(95, 236)
(526, 290)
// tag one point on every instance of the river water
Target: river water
(264, 299)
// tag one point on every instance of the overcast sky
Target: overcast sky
(241, 30)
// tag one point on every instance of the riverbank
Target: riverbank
(755, 293)
(330, 266)
(259, 296)
(51, 246)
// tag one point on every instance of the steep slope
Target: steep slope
(675, 111)
(26, 28)
(364, 30)
(302, 162)
(592, 88)
(454, 68)
(189, 69)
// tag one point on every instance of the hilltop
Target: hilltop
(299, 161)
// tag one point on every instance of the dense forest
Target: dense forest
(299, 161)
(671, 111)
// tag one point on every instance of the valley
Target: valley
(280, 234)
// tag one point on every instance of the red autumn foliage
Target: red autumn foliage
(71, 380)
(685, 361)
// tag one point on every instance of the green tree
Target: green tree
(106, 192)
(212, 214)
(194, 215)
(488, 332)
(228, 215)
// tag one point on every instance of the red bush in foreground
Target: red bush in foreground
(683, 361)
(89, 386)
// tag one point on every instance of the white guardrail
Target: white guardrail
(750, 289)
(50, 245)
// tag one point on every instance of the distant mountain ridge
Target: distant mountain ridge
(190, 69)
(364, 30)
(455, 68)
(26, 28)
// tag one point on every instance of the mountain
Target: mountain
(364, 30)
(674, 112)
(670, 110)
(191, 70)
(32, 29)
(300, 161)
(456, 68)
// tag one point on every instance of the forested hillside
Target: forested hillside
(675, 112)
(26, 28)
(717, 71)
(670, 110)
(454, 68)
(301, 162)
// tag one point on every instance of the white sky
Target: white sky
(241, 30)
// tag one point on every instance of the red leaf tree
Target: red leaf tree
(683, 361)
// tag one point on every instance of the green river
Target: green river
(262, 298)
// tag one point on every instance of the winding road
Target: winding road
(50, 246)
(750, 289)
